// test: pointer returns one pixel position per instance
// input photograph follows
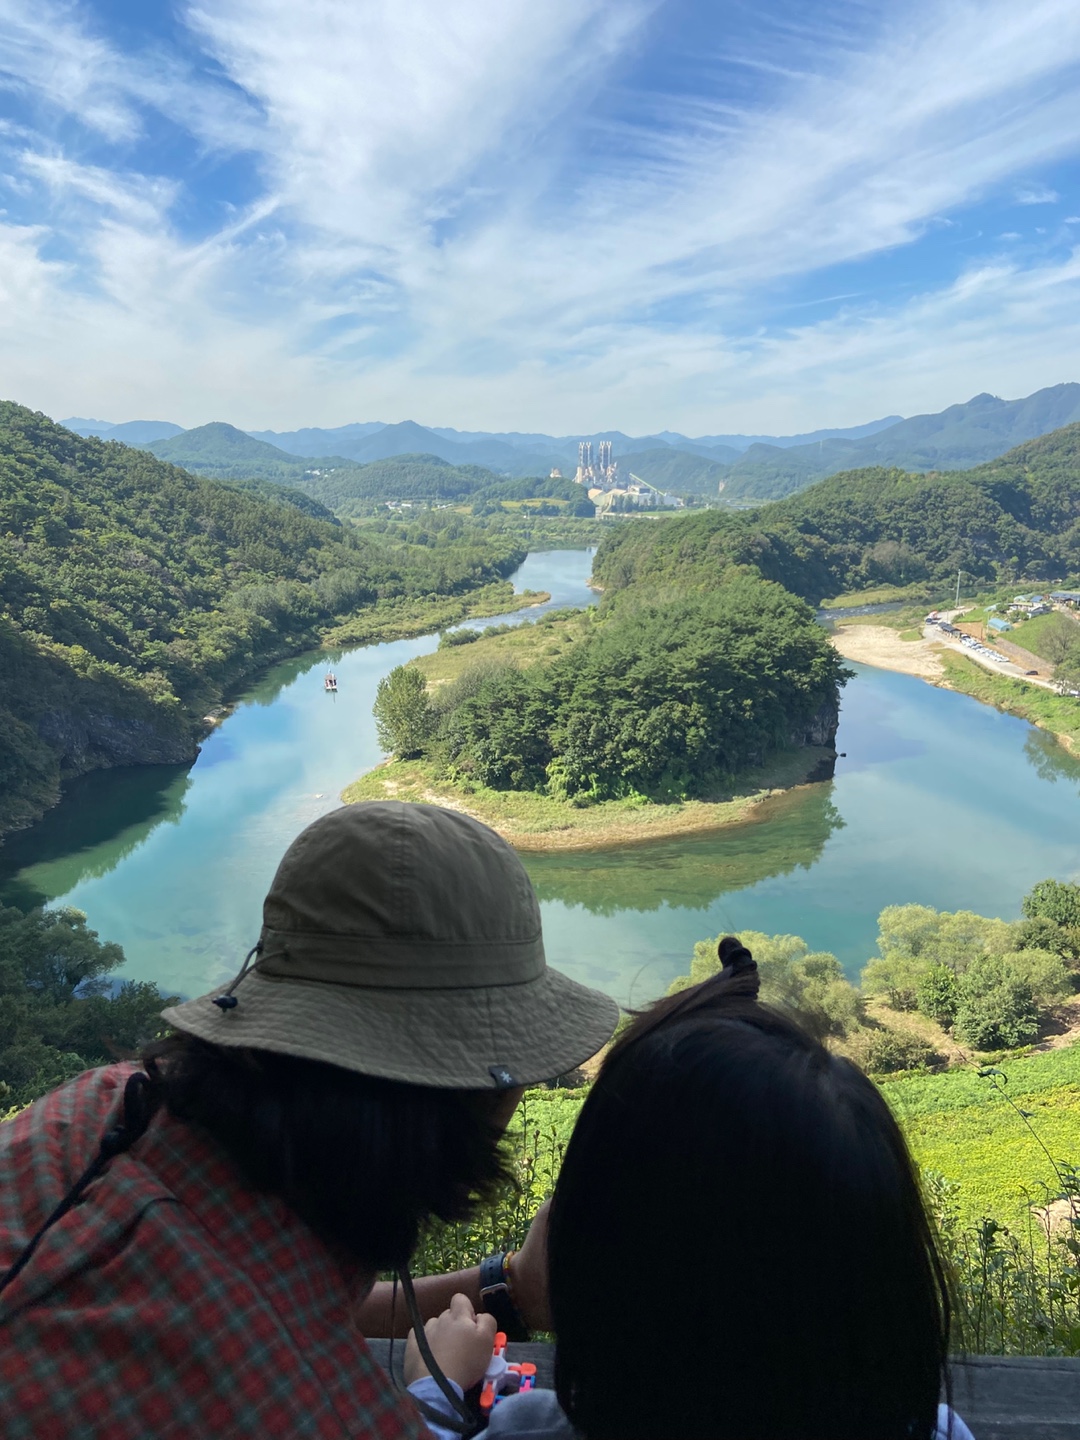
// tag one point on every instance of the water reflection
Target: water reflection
(785, 833)
(1050, 760)
(103, 818)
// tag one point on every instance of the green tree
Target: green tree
(913, 939)
(402, 713)
(1056, 900)
(60, 1012)
(1059, 638)
(996, 1007)
(939, 994)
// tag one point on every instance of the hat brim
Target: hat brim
(447, 1039)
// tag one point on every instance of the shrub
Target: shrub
(885, 1051)
(897, 978)
(996, 1009)
(450, 638)
(1050, 978)
(939, 994)
(1038, 933)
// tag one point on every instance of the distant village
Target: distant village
(601, 477)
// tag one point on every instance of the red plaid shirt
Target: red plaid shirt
(172, 1301)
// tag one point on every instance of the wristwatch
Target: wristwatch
(497, 1298)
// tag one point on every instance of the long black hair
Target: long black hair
(365, 1162)
(738, 1244)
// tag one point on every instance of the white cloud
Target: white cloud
(52, 52)
(138, 198)
(448, 229)
(380, 111)
(1037, 195)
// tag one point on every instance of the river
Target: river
(938, 800)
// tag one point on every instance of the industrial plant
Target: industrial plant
(602, 474)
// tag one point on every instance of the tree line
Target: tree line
(990, 984)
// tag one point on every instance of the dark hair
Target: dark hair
(362, 1160)
(738, 1244)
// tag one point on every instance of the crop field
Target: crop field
(956, 1123)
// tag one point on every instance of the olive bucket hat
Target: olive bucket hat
(404, 941)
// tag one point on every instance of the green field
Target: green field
(956, 1123)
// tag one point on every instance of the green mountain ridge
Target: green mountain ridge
(135, 595)
(1017, 516)
(222, 451)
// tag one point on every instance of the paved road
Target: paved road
(998, 667)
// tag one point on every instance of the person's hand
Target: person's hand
(461, 1342)
(529, 1274)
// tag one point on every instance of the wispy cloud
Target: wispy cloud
(1037, 195)
(502, 215)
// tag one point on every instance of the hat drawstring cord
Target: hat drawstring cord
(227, 1000)
(462, 1422)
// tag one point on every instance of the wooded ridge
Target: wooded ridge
(134, 596)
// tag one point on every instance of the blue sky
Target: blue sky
(578, 215)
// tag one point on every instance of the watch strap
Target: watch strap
(497, 1299)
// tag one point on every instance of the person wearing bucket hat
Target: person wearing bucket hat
(192, 1244)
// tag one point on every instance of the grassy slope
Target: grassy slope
(957, 1124)
(1031, 634)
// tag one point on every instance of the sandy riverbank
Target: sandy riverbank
(881, 646)
(952, 667)
(536, 822)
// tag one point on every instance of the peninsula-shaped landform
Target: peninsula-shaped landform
(655, 715)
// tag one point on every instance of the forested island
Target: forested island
(656, 702)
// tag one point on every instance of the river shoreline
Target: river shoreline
(881, 645)
(428, 617)
(945, 667)
(538, 824)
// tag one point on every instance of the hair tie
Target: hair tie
(734, 956)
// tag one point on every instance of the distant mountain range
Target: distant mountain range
(958, 438)
(744, 468)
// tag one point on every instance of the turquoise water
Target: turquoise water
(939, 800)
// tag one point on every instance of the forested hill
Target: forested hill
(133, 595)
(223, 452)
(1017, 516)
(359, 489)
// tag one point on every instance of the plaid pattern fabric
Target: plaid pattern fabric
(171, 1302)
